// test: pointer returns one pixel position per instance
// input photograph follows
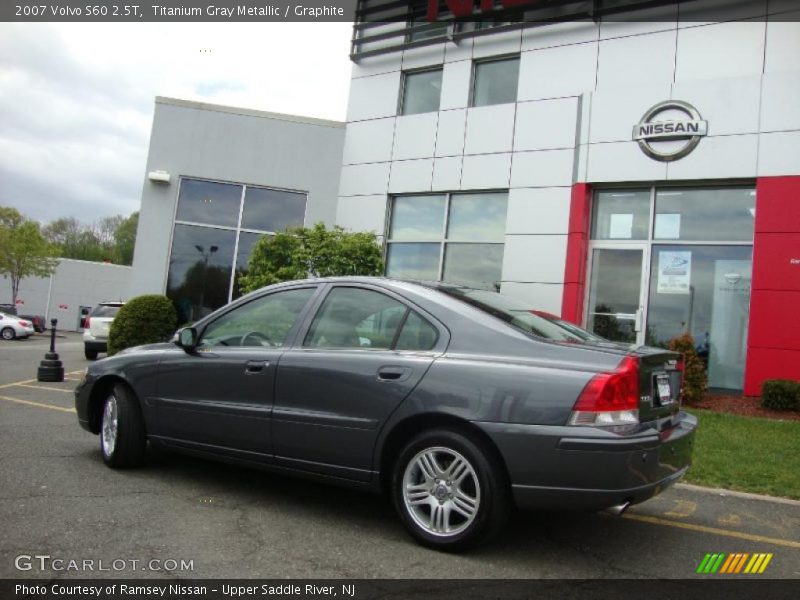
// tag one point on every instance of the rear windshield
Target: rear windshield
(106, 310)
(515, 312)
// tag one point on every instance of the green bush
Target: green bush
(143, 320)
(695, 378)
(781, 394)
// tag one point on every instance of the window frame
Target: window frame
(474, 77)
(315, 305)
(401, 101)
(291, 335)
(444, 239)
(238, 229)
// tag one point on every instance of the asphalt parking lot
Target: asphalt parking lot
(58, 499)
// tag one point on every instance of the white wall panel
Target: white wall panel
(721, 50)
(712, 11)
(415, 136)
(368, 141)
(559, 34)
(641, 59)
(485, 171)
(546, 124)
(557, 72)
(410, 176)
(360, 180)
(780, 101)
(779, 154)
(545, 168)
(622, 161)
(376, 65)
(496, 44)
(718, 157)
(362, 213)
(535, 258)
(659, 18)
(455, 85)
(460, 51)
(539, 296)
(427, 56)
(374, 97)
(783, 43)
(451, 132)
(616, 110)
(729, 105)
(538, 210)
(490, 129)
(447, 173)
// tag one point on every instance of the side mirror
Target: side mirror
(187, 338)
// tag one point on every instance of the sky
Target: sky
(77, 99)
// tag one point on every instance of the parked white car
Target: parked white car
(96, 327)
(12, 327)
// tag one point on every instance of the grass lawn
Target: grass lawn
(748, 454)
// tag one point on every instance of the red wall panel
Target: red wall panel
(778, 204)
(577, 253)
(774, 321)
(778, 258)
(769, 363)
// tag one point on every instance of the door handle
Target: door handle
(255, 366)
(393, 373)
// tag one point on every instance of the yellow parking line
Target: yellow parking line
(715, 530)
(8, 385)
(44, 387)
(38, 404)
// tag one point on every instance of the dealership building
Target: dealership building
(637, 174)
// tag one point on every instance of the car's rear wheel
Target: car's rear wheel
(8, 333)
(122, 434)
(450, 490)
(90, 354)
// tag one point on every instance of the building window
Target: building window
(672, 260)
(458, 238)
(216, 227)
(421, 92)
(495, 82)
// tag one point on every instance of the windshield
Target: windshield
(515, 312)
(106, 310)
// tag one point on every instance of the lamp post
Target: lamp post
(206, 256)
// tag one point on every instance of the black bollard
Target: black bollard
(51, 368)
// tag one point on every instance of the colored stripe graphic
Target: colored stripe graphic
(734, 563)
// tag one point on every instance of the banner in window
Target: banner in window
(674, 272)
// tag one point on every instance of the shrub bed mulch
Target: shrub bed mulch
(743, 406)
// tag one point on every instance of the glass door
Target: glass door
(616, 300)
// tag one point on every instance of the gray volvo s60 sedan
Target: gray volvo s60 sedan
(458, 403)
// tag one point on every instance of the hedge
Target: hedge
(142, 320)
(781, 394)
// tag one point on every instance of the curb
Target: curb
(736, 494)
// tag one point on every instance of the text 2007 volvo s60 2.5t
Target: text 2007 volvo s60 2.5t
(457, 402)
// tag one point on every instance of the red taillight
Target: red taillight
(86, 323)
(610, 398)
(25, 323)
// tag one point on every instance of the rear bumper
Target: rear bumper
(588, 468)
(99, 345)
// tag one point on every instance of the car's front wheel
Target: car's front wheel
(450, 490)
(122, 435)
(8, 333)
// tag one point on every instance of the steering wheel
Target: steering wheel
(257, 337)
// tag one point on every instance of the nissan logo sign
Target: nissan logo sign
(670, 130)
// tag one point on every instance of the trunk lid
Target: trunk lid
(660, 382)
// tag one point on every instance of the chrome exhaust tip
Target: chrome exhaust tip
(618, 509)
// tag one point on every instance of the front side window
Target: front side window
(495, 82)
(359, 318)
(458, 238)
(263, 322)
(421, 92)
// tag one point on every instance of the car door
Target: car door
(219, 396)
(363, 352)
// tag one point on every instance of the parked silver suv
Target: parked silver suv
(96, 327)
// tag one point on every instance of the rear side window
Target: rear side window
(359, 318)
(106, 310)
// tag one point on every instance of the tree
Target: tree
(125, 239)
(24, 251)
(311, 252)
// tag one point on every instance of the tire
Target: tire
(122, 435)
(450, 514)
(8, 333)
(90, 354)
